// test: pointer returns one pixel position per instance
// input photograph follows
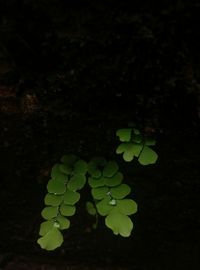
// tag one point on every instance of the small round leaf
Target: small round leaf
(127, 206)
(129, 150)
(95, 166)
(80, 167)
(53, 200)
(65, 169)
(49, 212)
(94, 183)
(104, 207)
(67, 210)
(110, 169)
(91, 208)
(124, 134)
(63, 222)
(76, 182)
(99, 193)
(52, 240)
(93, 171)
(120, 192)
(119, 223)
(121, 148)
(137, 148)
(56, 187)
(71, 197)
(45, 227)
(114, 180)
(147, 156)
(57, 175)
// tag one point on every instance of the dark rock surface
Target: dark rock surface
(71, 74)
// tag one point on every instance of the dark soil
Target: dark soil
(71, 75)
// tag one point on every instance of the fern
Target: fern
(68, 177)
(134, 144)
(108, 191)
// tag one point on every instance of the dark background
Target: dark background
(71, 74)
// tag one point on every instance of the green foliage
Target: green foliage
(108, 191)
(52, 239)
(109, 197)
(90, 207)
(67, 177)
(134, 144)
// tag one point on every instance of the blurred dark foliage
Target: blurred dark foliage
(142, 58)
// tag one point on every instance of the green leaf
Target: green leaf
(130, 150)
(119, 223)
(69, 159)
(137, 148)
(49, 212)
(120, 192)
(53, 200)
(55, 170)
(45, 227)
(99, 193)
(91, 208)
(56, 187)
(127, 206)
(127, 149)
(137, 138)
(76, 182)
(57, 175)
(136, 131)
(94, 183)
(95, 166)
(65, 169)
(150, 142)
(63, 222)
(52, 240)
(124, 134)
(80, 167)
(71, 197)
(104, 207)
(147, 156)
(93, 170)
(67, 210)
(110, 169)
(122, 147)
(114, 180)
